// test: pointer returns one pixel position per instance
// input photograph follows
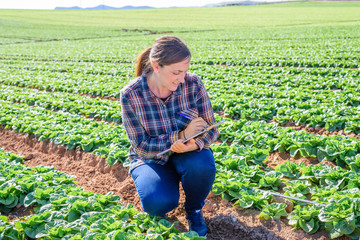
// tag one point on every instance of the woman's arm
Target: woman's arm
(143, 144)
(205, 112)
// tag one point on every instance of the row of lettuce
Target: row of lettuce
(110, 140)
(311, 78)
(270, 137)
(96, 108)
(63, 128)
(241, 166)
(242, 170)
(255, 47)
(332, 109)
(61, 210)
(238, 180)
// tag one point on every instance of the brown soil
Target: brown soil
(225, 221)
(19, 211)
(319, 130)
(221, 113)
(276, 158)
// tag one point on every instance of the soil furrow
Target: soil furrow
(94, 174)
(320, 130)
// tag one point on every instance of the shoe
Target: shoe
(196, 222)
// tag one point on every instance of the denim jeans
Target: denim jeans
(158, 185)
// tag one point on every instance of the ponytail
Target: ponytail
(166, 50)
(143, 62)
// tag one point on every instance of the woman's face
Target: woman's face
(170, 76)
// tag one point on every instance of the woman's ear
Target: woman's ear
(155, 66)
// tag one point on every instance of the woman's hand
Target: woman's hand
(180, 147)
(197, 125)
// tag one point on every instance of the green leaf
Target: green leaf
(345, 227)
(307, 226)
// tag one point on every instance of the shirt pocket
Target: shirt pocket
(182, 121)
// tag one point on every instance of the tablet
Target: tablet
(205, 130)
(191, 137)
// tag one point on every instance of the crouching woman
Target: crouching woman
(161, 107)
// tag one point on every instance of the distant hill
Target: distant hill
(132, 7)
(103, 7)
(68, 8)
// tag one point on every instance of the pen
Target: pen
(186, 116)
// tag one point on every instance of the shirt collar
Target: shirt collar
(146, 90)
(149, 94)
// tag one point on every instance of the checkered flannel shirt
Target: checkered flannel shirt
(153, 125)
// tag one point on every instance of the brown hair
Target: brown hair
(166, 50)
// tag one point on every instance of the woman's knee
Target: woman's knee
(159, 204)
(157, 187)
(201, 171)
(201, 163)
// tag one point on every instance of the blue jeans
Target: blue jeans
(158, 185)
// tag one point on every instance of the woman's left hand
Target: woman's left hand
(180, 147)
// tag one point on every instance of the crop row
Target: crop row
(239, 178)
(65, 82)
(270, 137)
(234, 77)
(339, 52)
(55, 126)
(104, 139)
(113, 49)
(284, 50)
(73, 103)
(110, 140)
(84, 68)
(99, 136)
(334, 110)
(108, 110)
(64, 211)
(311, 78)
(298, 106)
(288, 77)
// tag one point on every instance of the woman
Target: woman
(161, 107)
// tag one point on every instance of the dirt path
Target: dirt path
(225, 221)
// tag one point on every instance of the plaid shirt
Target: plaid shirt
(153, 125)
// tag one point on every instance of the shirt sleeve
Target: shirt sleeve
(143, 144)
(205, 112)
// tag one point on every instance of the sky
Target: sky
(51, 4)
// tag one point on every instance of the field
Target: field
(285, 77)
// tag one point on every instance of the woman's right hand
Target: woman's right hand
(180, 147)
(197, 125)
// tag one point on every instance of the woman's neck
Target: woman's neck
(156, 88)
